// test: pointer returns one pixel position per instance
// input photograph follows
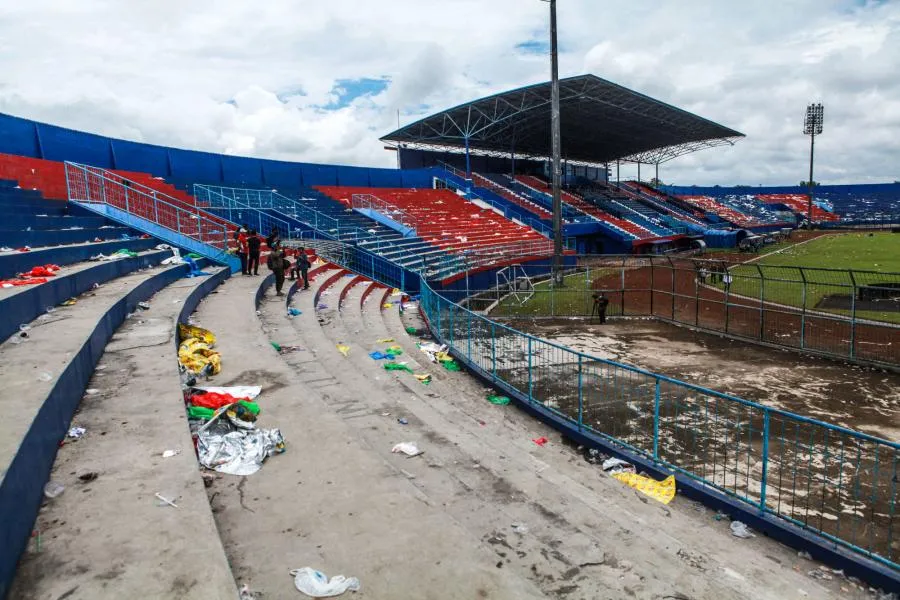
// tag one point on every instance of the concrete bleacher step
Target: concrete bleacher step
(331, 501)
(44, 378)
(12, 223)
(15, 262)
(24, 303)
(56, 237)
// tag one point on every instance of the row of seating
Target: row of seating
(799, 204)
(450, 223)
(508, 194)
(634, 230)
(709, 204)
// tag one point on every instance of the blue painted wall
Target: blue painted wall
(24, 137)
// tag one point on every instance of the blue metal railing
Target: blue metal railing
(833, 481)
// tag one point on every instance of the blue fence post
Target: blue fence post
(580, 395)
(656, 421)
(494, 351)
(765, 461)
(530, 378)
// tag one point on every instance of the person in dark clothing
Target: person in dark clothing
(600, 304)
(277, 263)
(273, 239)
(301, 267)
(253, 246)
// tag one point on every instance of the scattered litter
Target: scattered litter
(165, 500)
(386, 340)
(45, 377)
(171, 453)
(820, 573)
(395, 366)
(739, 529)
(403, 421)
(412, 330)
(394, 351)
(245, 593)
(424, 378)
(91, 392)
(317, 585)
(294, 312)
(321, 306)
(520, 529)
(663, 491)
(88, 477)
(69, 302)
(540, 441)
(195, 352)
(344, 349)
(385, 414)
(163, 247)
(377, 355)
(804, 554)
(432, 350)
(387, 305)
(276, 345)
(144, 305)
(76, 432)
(289, 349)
(53, 489)
(408, 448)
(228, 446)
(617, 465)
(499, 400)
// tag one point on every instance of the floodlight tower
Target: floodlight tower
(555, 143)
(812, 126)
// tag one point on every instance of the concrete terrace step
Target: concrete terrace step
(44, 376)
(57, 237)
(12, 223)
(22, 304)
(330, 502)
(12, 263)
(482, 468)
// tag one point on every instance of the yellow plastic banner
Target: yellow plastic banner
(192, 331)
(663, 491)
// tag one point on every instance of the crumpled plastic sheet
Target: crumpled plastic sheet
(316, 584)
(224, 448)
(432, 350)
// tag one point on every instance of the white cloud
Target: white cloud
(253, 78)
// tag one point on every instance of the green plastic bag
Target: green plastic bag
(450, 365)
(276, 346)
(498, 400)
(412, 330)
(253, 407)
(397, 367)
(200, 412)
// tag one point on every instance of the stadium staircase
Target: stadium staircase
(667, 204)
(709, 205)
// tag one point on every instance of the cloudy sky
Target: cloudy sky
(320, 81)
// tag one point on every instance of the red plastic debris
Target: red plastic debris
(213, 400)
(8, 283)
(540, 441)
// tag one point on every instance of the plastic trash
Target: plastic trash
(661, 491)
(45, 377)
(76, 432)
(408, 448)
(170, 453)
(376, 355)
(617, 465)
(344, 349)
(540, 441)
(53, 489)
(386, 340)
(392, 366)
(165, 500)
(91, 392)
(499, 400)
(403, 421)
(424, 378)
(412, 330)
(316, 584)
(739, 529)
(519, 528)
(294, 311)
(144, 305)
(24, 327)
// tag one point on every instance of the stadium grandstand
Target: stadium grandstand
(118, 257)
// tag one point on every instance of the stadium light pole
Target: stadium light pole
(812, 126)
(555, 149)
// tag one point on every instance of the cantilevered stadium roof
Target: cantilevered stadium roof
(600, 122)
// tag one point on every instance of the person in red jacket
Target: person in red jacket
(241, 237)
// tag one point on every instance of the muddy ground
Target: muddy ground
(861, 398)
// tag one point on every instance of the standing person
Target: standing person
(241, 237)
(726, 279)
(301, 268)
(253, 245)
(600, 304)
(273, 239)
(277, 263)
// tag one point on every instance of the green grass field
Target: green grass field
(874, 252)
(572, 300)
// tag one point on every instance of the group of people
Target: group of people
(249, 246)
